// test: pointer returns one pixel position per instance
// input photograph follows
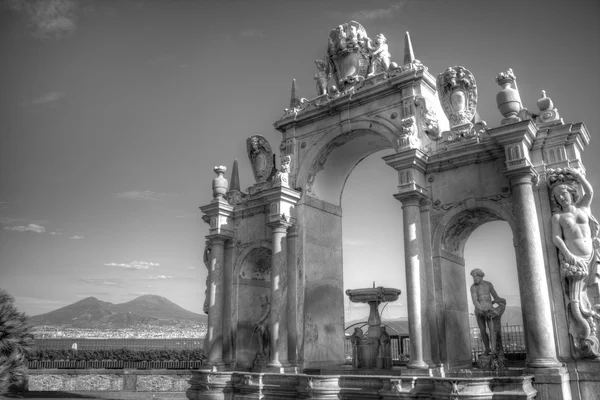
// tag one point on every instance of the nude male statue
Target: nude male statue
(484, 297)
(262, 325)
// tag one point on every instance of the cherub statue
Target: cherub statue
(322, 77)
(341, 38)
(380, 56)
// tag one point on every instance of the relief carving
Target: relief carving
(261, 157)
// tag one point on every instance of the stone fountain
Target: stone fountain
(373, 350)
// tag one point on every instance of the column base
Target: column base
(417, 365)
(544, 362)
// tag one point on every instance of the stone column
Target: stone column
(215, 304)
(278, 317)
(412, 240)
(227, 294)
(292, 295)
(533, 283)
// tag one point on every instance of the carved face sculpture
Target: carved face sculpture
(477, 279)
(340, 31)
(381, 39)
(564, 195)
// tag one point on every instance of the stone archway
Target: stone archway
(449, 238)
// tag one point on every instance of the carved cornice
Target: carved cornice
(474, 153)
(409, 158)
(353, 98)
(524, 131)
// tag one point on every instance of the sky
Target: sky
(113, 114)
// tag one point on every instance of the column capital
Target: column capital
(218, 239)
(411, 198)
(525, 175)
(280, 226)
(292, 231)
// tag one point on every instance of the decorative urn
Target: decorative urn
(508, 99)
(219, 184)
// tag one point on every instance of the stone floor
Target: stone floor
(99, 395)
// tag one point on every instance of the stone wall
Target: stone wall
(133, 380)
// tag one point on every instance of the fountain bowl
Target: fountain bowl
(379, 294)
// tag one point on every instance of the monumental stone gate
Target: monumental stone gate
(274, 253)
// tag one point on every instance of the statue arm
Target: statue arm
(382, 48)
(586, 199)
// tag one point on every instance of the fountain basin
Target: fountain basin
(379, 294)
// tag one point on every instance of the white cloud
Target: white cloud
(134, 265)
(56, 233)
(251, 33)
(46, 98)
(370, 14)
(47, 18)
(191, 268)
(76, 237)
(144, 195)
(28, 228)
(157, 277)
(102, 281)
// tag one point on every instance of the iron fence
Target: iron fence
(98, 344)
(513, 342)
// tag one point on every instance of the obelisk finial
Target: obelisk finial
(409, 55)
(234, 183)
(294, 100)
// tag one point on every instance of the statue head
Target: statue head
(477, 275)
(340, 29)
(564, 195)
(381, 38)
(320, 65)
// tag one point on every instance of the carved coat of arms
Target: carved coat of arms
(458, 94)
(348, 52)
(261, 157)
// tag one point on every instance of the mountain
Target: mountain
(147, 309)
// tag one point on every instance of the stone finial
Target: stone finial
(219, 184)
(235, 177)
(508, 99)
(294, 100)
(235, 195)
(547, 111)
(409, 55)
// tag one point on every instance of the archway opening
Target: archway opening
(491, 248)
(373, 250)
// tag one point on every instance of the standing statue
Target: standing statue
(206, 259)
(355, 339)
(484, 297)
(380, 56)
(575, 234)
(385, 349)
(322, 77)
(262, 325)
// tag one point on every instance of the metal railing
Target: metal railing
(97, 344)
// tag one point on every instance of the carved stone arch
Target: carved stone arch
(323, 176)
(247, 250)
(454, 229)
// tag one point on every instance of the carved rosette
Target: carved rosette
(261, 157)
